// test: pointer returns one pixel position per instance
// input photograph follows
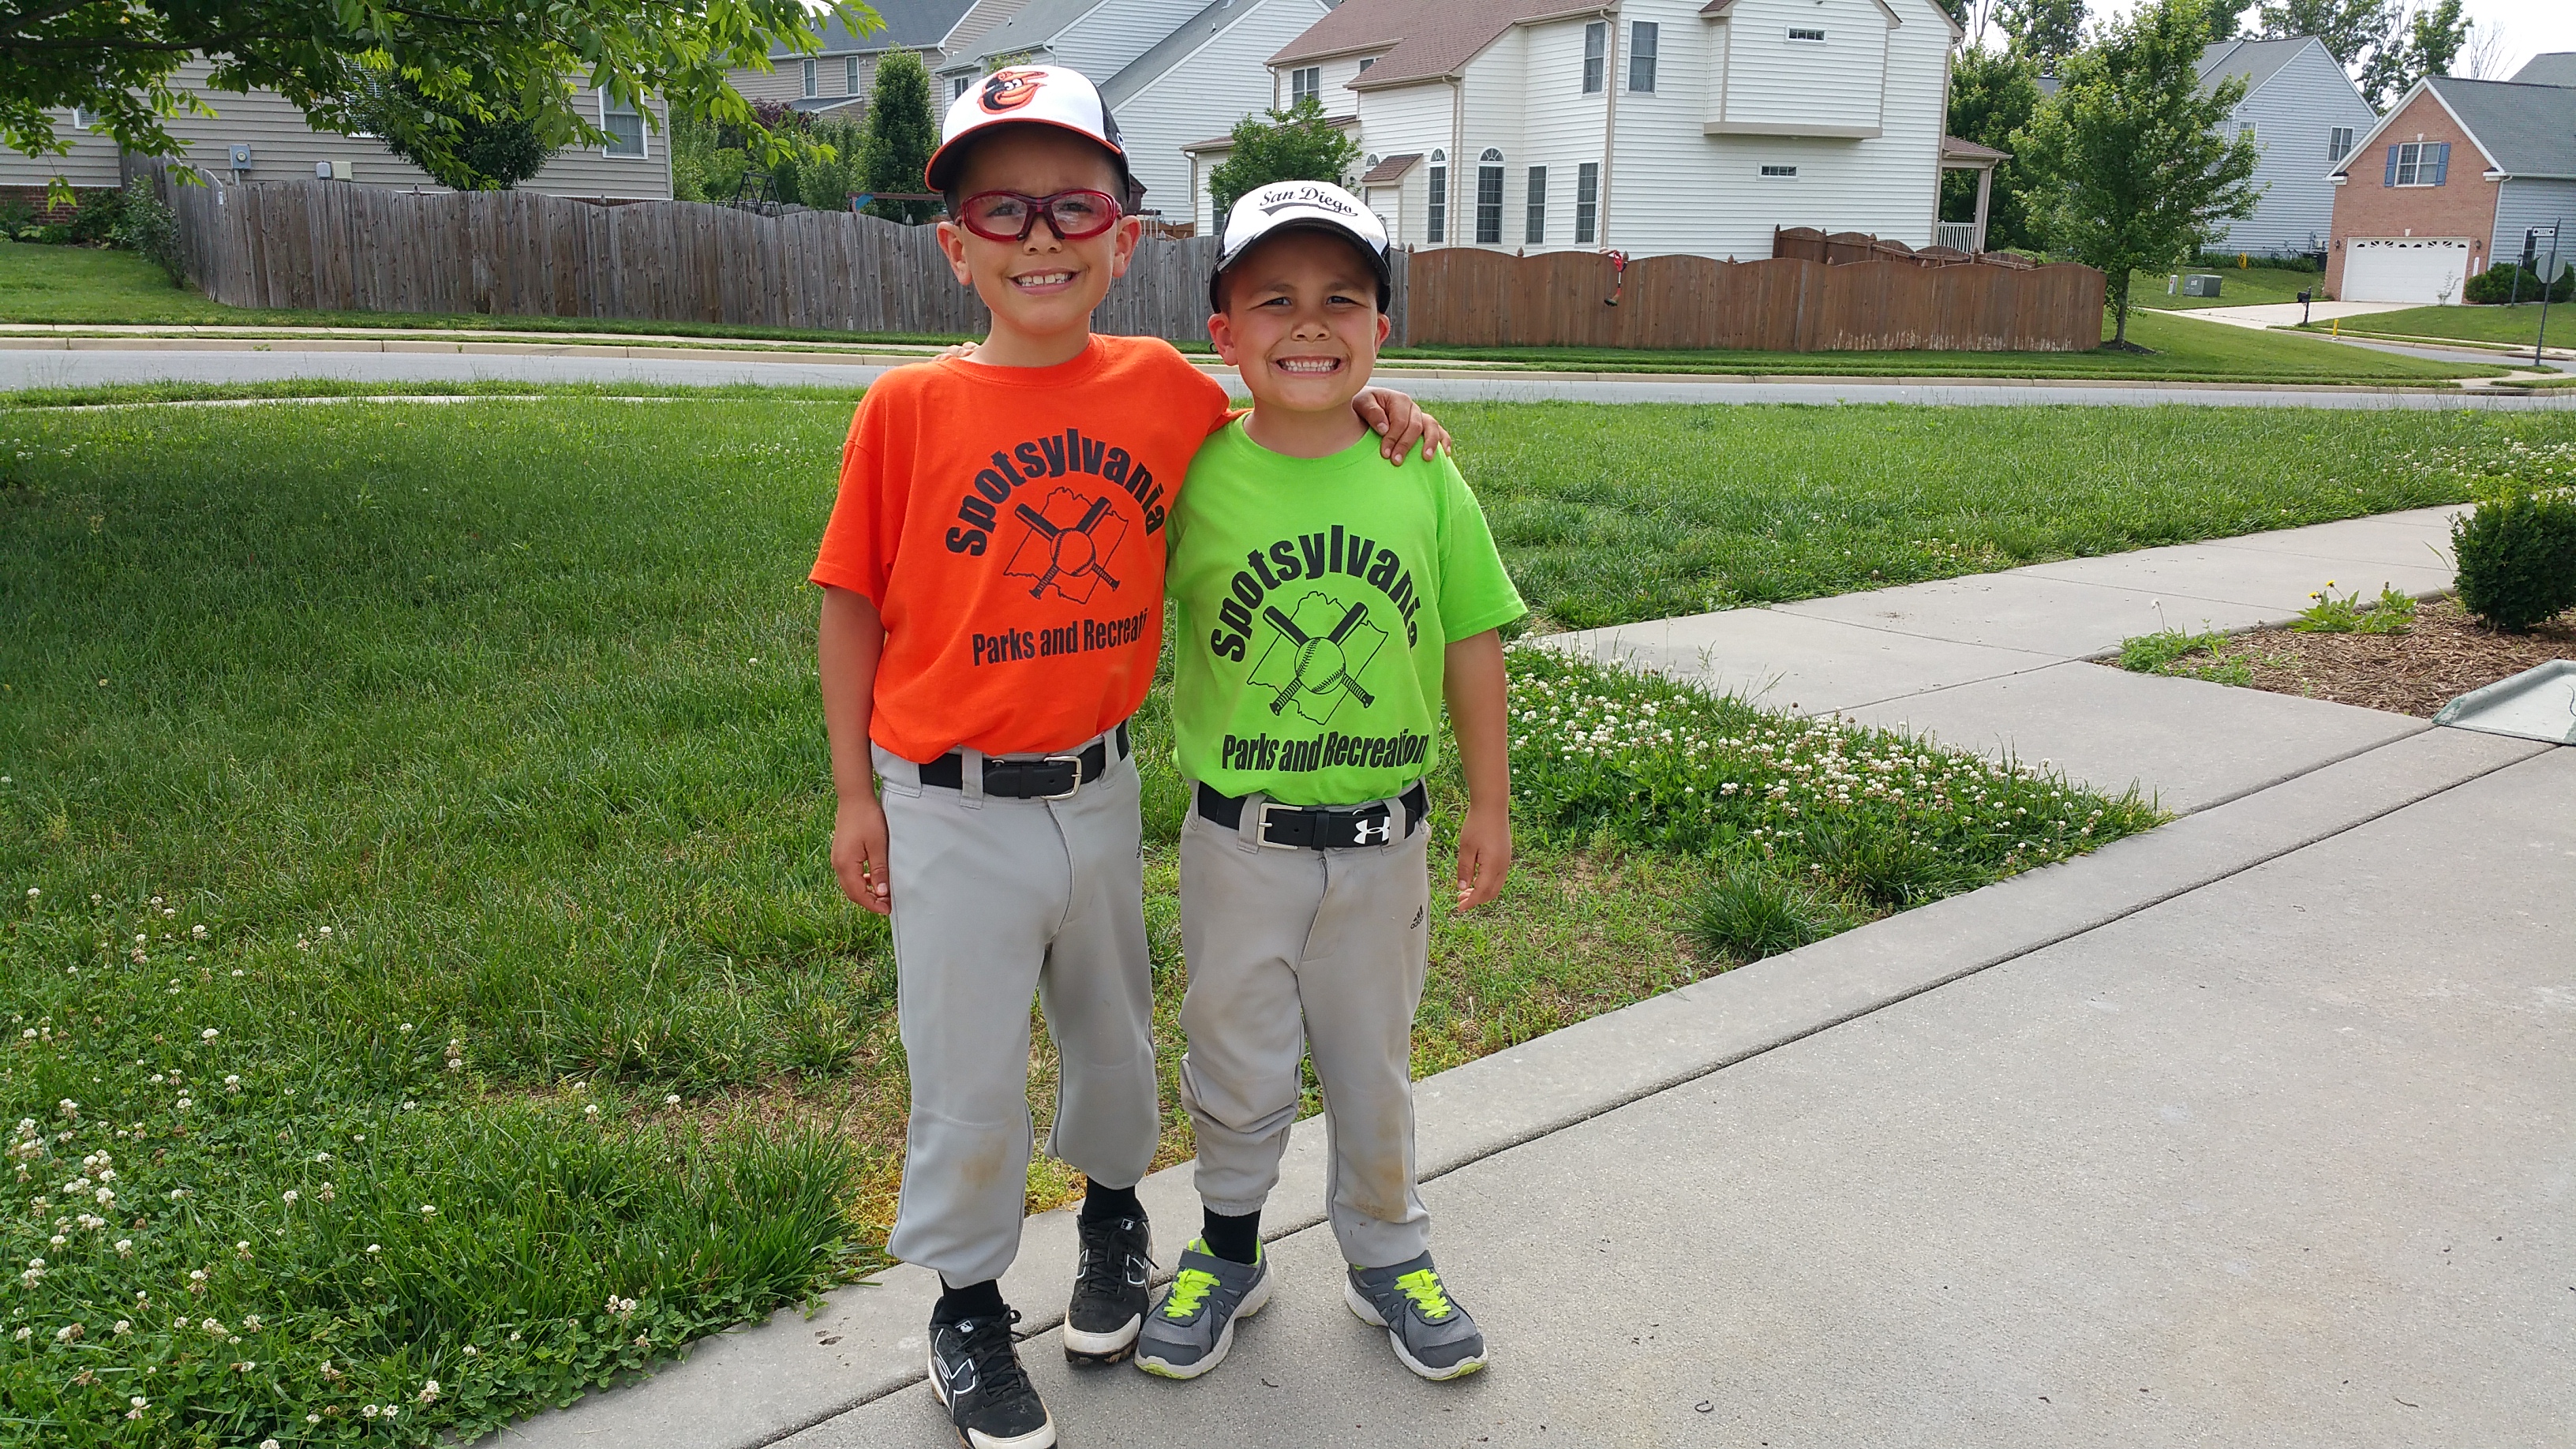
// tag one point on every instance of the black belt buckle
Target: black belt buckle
(1054, 778)
(1300, 827)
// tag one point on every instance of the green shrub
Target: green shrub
(2502, 282)
(145, 225)
(1750, 913)
(97, 218)
(2517, 557)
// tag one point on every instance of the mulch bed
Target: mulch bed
(2444, 656)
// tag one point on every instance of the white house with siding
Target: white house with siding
(1204, 76)
(1646, 126)
(2305, 116)
(280, 145)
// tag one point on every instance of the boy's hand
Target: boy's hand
(859, 854)
(1484, 855)
(1400, 422)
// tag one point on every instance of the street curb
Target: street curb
(757, 1385)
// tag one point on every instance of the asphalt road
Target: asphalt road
(49, 369)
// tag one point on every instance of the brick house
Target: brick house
(2449, 182)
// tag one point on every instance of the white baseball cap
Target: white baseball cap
(1266, 211)
(1043, 95)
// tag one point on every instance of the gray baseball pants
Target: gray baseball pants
(995, 898)
(1296, 951)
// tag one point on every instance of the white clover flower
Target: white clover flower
(375, 1247)
(429, 1392)
(251, 1323)
(33, 892)
(232, 1084)
(472, 1352)
(671, 1099)
(125, 1247)
(197, 932)
(428, 1210)
(22, 1335)
(591, 1111)
(267, 1444)
(289, 1197)
(124, 1325)
(209, 1034)
(67, 1334)
(369, 1411)
(212, 1326)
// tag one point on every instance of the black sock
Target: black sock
(975, 1300)
(1103, 1204)
(1237, 1240)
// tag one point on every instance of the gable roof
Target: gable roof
(1427, 39)
(2521, 129)
(909, 25)
(2558, 68)
(1034, 27)
(1172, 49)
(2256, 60)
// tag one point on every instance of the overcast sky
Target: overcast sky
(2525, 27)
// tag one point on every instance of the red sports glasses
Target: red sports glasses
(1009, 216)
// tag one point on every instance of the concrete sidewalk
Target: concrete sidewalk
(1995, 662)
(2163, 1143)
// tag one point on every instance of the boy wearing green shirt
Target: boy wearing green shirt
(1327, 604)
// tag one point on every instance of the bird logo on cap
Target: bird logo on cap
(1008, 90)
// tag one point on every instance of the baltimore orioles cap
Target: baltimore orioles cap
(1281, 206)
(1041, 95)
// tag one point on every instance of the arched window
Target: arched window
(1435, 220)
(1489, 198)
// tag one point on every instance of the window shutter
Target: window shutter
(2442, 164)
(2391, 178)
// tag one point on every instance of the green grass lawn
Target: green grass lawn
(74, 285)
(415, 885)
(2500, 324)
(2242, 287)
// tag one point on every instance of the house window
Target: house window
(1779, 172)
(1489, 198)
(957, 87)
(624, 125)
(1435, 220)
(1365, 62)
(809, 78)
(1304, 85)
(850, 76)
(83, 118)
(1801, 33)
(1596, 54)
(1641, 55)
(2418, 163)
(2245, 132)
(2338, 143)
(1587, 202)
(1536, 232)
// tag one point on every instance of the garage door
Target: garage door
(2404, 269)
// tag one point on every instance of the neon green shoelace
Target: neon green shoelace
(1422, 1285)
(1189, 1289)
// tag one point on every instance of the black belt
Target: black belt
(1318, 827)
(1052, 777)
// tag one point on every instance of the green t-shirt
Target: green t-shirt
(1317, 597)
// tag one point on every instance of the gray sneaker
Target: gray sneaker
(1189, 1332)
(1431, 1331)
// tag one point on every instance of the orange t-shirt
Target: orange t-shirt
(1007, 522)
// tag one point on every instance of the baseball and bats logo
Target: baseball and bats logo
(1070, 548)
(1317, 657)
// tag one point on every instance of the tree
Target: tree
(901, 135)
(478, 59)
(2425, 42)
(1993, 93)
(1958, 10)
(2127, 162)
(2044, 31)
(2352, 29)
(1296, 144)
(492, 151)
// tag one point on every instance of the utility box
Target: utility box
(2200, 284)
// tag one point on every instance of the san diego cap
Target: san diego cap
(1044, 95)
(1266, 211)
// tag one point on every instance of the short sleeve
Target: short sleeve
(1476, 593)
(858, 542)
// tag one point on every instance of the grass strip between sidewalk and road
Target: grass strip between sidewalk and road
(73, 285)
(428, 993)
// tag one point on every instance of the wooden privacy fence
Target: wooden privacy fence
(1467, 298)
(334, 245)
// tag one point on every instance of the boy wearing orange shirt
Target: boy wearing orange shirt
(992, 613)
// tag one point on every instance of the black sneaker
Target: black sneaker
(1108, 1290)
(975, 1372)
